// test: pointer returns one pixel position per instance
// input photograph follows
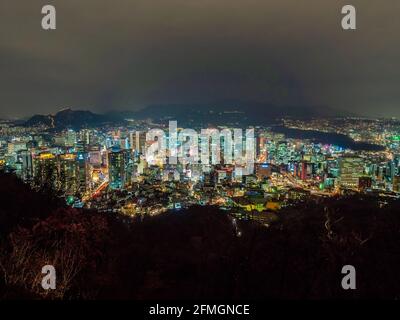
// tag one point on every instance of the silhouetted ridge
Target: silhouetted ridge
(195, 253)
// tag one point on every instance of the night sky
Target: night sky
(126, 54)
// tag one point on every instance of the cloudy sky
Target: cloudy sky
(126, 54)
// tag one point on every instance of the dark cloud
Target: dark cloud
(125, 54)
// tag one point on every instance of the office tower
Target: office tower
(25, 157)
(80, 146)
(391, 170)
(140, 142)
(85, 135)
(69, 174)
(350, 170)
(282, 152)
(82, 171)
(304, 170)
(45, 171)
(70, 138)
(132, 138)
(117, 168)
(261, 151)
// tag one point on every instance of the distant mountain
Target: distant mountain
(74, 119)
(230, 112)
(238, 113)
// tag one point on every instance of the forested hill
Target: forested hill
(195, 254)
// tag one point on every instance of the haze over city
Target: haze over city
(182, 150)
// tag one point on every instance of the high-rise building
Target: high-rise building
(70, 138)
(140, 142)
(85, 135)
(132, 139)
(69, 174)
(25, 157)
(117, 168)
(261, 148)
(351, 168)
(304, 171)
(81, 158)
(45, 170)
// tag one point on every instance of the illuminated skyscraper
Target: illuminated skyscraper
(25, 157)
(350, 170)
(117, 168)
(45, 170)
(69, 174)
(82, 171)
(70, 138)
(304, 170)
(140, 142)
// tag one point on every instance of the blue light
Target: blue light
(178, 206)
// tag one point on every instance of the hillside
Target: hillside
(72, 119)
(195, 254)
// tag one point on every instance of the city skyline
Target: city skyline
(161, 151)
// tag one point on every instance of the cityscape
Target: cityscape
(176, 153)
(107, 168)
